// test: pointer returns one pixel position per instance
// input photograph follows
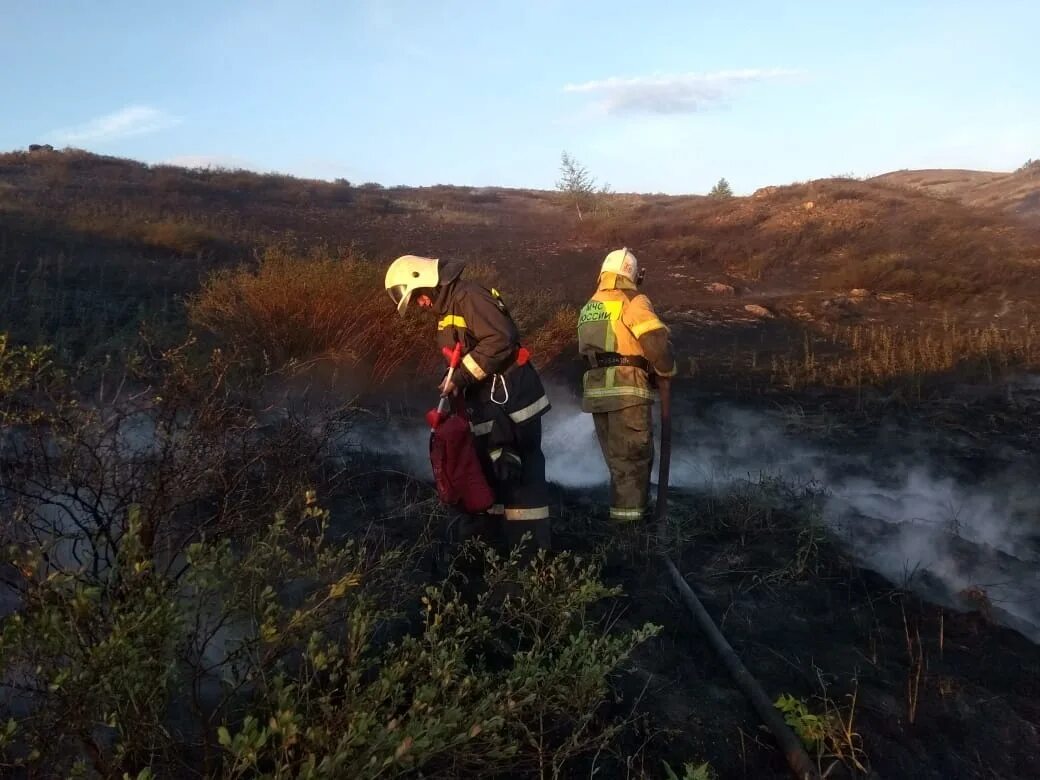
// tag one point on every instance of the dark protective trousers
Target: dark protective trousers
(521, 503)
(626, 438)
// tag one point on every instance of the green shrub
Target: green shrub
(294, 627)
(503, 683)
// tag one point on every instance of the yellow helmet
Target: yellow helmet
(623, 263)
(407, 274)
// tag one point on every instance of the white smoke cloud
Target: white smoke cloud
(912, 524)
(931, 534)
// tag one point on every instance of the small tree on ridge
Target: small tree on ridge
(721, 190)
(576, 183)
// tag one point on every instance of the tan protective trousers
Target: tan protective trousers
(626, 438)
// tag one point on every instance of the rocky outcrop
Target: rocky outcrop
(759, 311)
(718, 288)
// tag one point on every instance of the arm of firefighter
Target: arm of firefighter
(652, 334)
(494, 334)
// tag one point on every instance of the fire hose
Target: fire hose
(801, 765)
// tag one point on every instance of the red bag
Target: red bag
(456, 468)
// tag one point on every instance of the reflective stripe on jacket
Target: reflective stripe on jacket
(498, 392)
(619, 319)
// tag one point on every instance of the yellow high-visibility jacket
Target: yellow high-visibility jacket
(619, 320)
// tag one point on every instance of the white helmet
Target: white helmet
(623, 263)
(407, 274)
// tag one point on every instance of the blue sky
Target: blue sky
(650, 96)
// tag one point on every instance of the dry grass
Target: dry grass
(299, 308)
(880, 355)
(179, 236)
(925, 278)
(327, 305)
(1010, 191)
(554, 335)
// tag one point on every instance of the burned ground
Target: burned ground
(941, 688)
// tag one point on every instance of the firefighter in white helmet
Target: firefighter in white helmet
(504, 396)
(626, 346)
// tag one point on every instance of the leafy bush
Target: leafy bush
(293, 629)
(161, 623)
(510, 682)
(91, 659)
(829, 736)
(25, 374)
(691, 772)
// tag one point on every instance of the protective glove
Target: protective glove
(506, 463)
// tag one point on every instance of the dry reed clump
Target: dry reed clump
(297, 308)
(878, 355)
(554, 336)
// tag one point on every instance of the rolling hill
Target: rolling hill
(92, 245)
(1017, 192)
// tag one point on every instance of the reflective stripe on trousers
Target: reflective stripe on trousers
(626, 514)
(527, 513)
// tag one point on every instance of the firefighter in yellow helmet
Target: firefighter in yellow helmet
(504, 396)
(625, 345)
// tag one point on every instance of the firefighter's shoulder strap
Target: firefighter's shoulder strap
(500, 301)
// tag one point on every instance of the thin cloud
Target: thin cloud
(124, 123)
(681, 93)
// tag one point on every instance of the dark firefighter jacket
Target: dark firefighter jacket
(498, 391)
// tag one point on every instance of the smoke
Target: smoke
(965, 545)
(707, 451)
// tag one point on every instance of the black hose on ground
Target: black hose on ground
(801, 765)
(799, 761)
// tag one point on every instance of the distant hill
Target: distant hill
(90, 245)
(1017, 192)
